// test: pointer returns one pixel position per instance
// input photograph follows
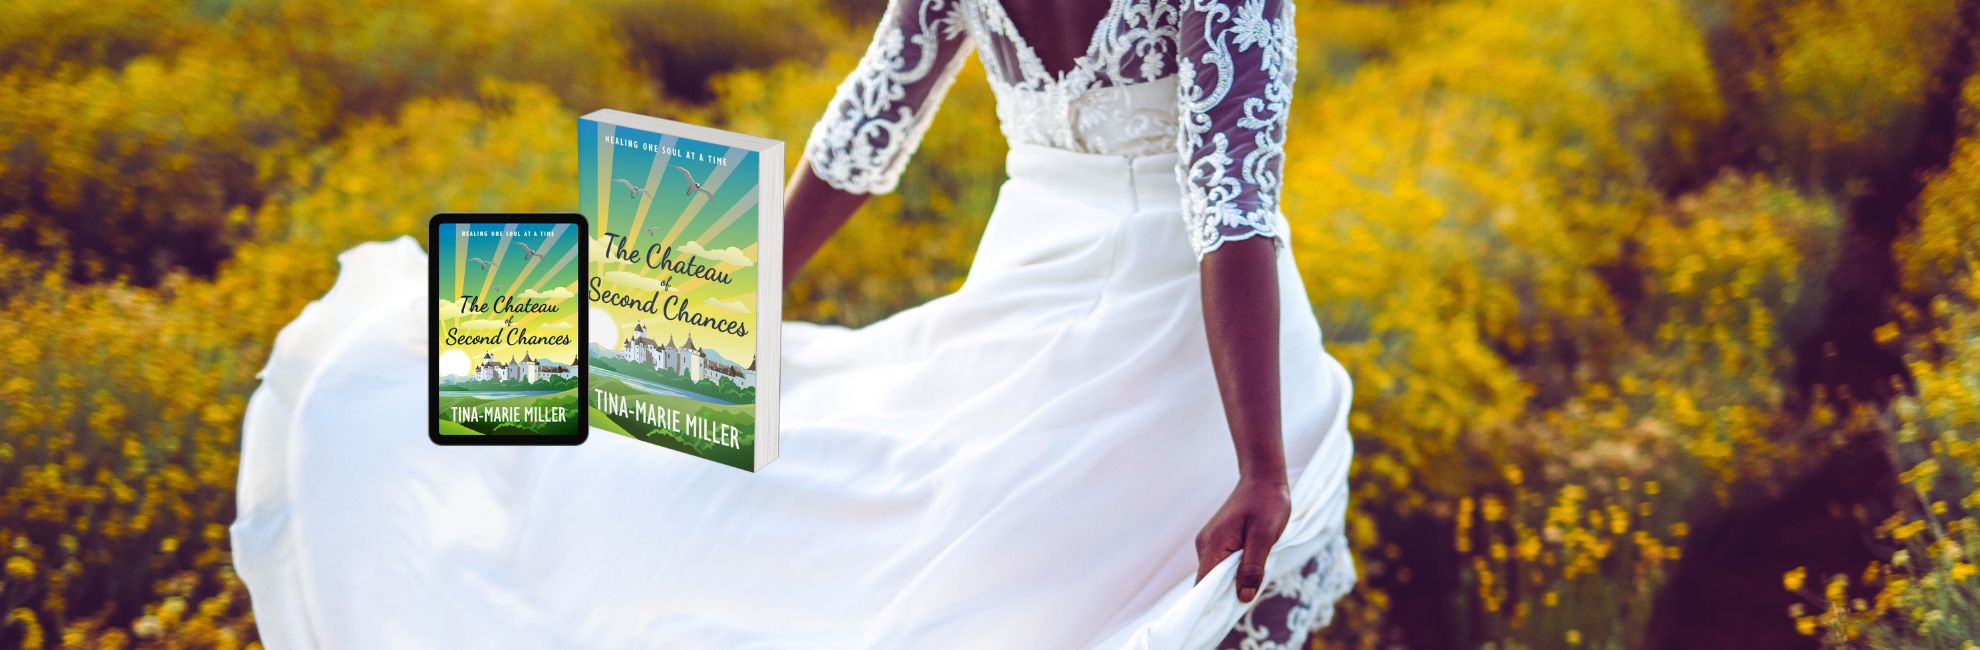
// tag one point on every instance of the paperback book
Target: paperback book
(686, 245)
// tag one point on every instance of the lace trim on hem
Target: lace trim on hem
(1288, 610)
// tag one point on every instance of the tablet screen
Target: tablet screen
(508, 329)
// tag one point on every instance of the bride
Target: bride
(1121, 431)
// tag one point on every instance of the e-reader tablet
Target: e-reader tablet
(507, 318)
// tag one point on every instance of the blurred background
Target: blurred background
(1664, 315)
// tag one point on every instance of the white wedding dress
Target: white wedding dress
(1021, 464)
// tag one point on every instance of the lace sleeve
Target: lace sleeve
(880, 111)
(1235, 77)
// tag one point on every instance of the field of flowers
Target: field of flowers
(1664, 315)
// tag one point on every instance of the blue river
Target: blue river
(659, 389)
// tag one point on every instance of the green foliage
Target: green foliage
(721, 390)
(547, 383)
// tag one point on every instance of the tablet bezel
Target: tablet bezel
(583, 231)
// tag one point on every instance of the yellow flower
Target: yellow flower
(1886, 333)
(1513, 475)
(1962, 571)
(1795, 579)
(1805, 625)
(20, 568)
(29, 624)
(1574, 637)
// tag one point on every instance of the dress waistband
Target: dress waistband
(1137, 183)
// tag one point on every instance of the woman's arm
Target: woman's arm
(1241, 317)
(874, 122)
(813, 211)
(1236, 65)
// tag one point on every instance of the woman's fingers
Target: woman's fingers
(1214, 544)
(1253, 535)
(1259, 535)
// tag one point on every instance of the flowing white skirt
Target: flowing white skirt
(1021, 464)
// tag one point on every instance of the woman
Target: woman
(1120, 431)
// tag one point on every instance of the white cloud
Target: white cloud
(731, 305)
(556, 326)
(598, 255)
(481, 324)
(730, 255)
(553, 295)
(636, 281)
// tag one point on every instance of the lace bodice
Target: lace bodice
(1209, 79)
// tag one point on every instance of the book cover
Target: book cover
(508, 328)
(685, 284)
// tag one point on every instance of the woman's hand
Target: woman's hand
(1250, 521)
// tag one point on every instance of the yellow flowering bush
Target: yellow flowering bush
(134, 171)
(370, 56)
(1923, 593)
(58, 36)
(121, 443)
(1849, 78)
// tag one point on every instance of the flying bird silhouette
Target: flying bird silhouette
(631, 190)
(649, 229)
(693, 185)
(529, 252)
(482, 262)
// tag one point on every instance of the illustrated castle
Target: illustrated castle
(528, 369)
(685, 360)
